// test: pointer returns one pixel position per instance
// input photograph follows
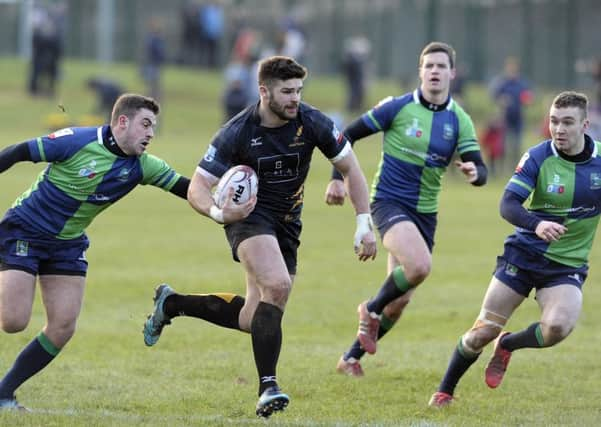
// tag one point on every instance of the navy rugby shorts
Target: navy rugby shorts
(22, 248)
(523, 271)
(261, 221)
(387, 213)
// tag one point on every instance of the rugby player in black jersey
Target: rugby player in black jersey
(276, 137)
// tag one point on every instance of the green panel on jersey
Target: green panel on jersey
(80, 220)
(80, 175)
(30, 190)
(157, 172)
(376, 180)
(429, 190)
(555, 187)
(409, 135)
(574, 247)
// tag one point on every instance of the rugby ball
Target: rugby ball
(242, 179)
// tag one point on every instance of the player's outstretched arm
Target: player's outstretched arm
(201, 200)
(365, 239)
(14, 154)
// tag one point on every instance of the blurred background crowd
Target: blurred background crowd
(516, 49)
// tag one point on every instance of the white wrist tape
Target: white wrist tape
(216, 214)
(364, 226)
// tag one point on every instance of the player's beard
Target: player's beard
(280, 110)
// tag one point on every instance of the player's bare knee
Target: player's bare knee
(486, 328)
(13, 322)
(555, 332)
(12, 326)
(418, 272)
(277, 291)
(479, 336)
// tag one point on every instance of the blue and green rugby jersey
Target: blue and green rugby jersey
(418, 146)
(82, 179)
(562, 191)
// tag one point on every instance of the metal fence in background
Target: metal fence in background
(548, 36)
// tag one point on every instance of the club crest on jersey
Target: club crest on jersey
(448, 131)
(90, 171)
(595, 181)
(22, 248)
(511, 270)
(297, 141)
(414, 129)
(123, 175)
(556, 187)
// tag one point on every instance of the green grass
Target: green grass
(200, 375)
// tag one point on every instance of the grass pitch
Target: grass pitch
(201, 375)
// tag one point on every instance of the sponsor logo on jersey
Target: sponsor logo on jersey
(90, 171)
(255, 142)
(511, 270)
(595, 181)
(61, 132)
(22, 248)
(414, 130)
(123, 175)
(99, 197)
(448, 132)
(522, 162)
(556, 187)
(210, 154)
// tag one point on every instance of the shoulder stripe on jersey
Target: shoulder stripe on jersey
(99, 135)
(416, 96)
(468, 145)
(373, 121)
(41, 149)
(164, 179)
(521, 184)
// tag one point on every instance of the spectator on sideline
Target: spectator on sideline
(512, 92)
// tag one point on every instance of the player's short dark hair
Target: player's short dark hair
(572, 99)
(434, 47)
(129, 104)
(280, 68)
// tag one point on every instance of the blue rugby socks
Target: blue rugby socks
(32, 359)
(394, 286)
(531, 337)
(458, 365)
